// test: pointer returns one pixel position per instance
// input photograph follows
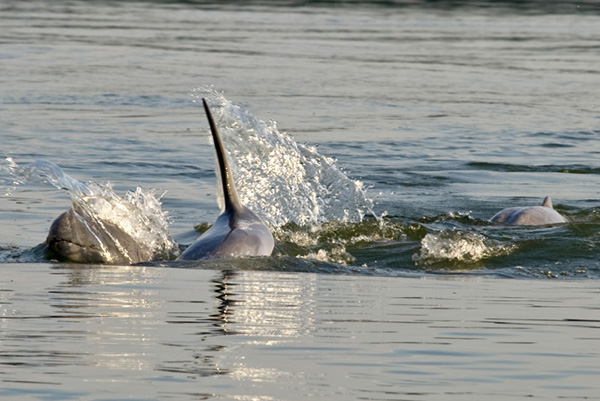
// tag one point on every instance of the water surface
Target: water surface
(423, 119)
(73, 332)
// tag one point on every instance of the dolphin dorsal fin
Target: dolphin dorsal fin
(232, 201)
(547, 202)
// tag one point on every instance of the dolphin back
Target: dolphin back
(246, 236)
(530, 216)
(237, 231)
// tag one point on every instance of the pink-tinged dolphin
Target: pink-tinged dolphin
(237, 231)
(530, 215)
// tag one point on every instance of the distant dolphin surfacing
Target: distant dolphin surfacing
(237, 231)
(530, 216)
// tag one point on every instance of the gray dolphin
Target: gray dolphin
(530, 216)
(74, 239)
(237, 231)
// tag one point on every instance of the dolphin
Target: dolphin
(72, 238)
(237, 231)
(530, 216)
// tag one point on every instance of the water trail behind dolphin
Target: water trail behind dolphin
(139, 213)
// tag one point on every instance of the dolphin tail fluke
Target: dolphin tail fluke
(230, 194)
(547, 202)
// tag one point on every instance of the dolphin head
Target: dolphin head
(72, 238)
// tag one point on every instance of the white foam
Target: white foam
(279, 179)
(458, 247)
(139, 213)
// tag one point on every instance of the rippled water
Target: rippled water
(376, 139)
(145, 333)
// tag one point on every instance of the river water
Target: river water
(375, 138)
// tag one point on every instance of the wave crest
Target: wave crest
(458, 248)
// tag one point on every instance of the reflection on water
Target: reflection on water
(102, 333)
(118, 314)
(266, 314)
(281, 309)
(278, 310)
(81, 321)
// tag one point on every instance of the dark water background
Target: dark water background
(447, 112)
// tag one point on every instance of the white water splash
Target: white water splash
(458, 247)
(279, 179)
(139, 213)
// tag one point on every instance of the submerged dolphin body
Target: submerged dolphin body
(530, 216)
(237, 231)
(74, 239)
